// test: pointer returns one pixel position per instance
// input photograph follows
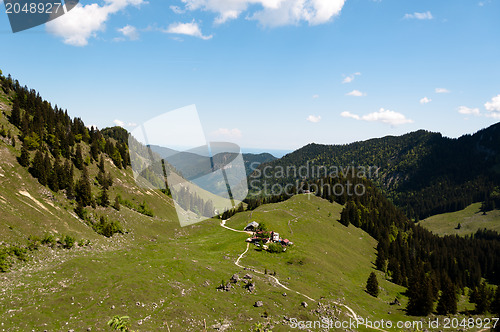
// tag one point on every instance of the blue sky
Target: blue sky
(270, 74)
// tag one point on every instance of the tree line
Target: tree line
(412, 256)
(423, 172)
(56, 148)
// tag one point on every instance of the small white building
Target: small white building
(252, 226)
(276, 237)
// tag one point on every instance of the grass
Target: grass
(158, 272)
(175, 277)
(166, 274)
(470, 219)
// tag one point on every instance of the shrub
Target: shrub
(144, 209)
(107, 228)
(275, 248)
(68, 242)
(49, 240)
(11, 251)
(33, 242)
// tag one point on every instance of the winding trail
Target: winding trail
(351, 313)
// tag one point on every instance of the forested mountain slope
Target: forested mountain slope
(423, 172)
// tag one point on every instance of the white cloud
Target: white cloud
(130, 32)
(350, 78)
(420, 16)
(120, 123)
(385, 116)
(273, 12)
(493, 107)
(190, 29)
(356, 93)
(425, 100)
(228, 133)
(315, 96)
(314, 118)
(347, 114)
(442, 90)
(84, 22)
(468, 110)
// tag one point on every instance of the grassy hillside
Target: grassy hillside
(172, 279)
(161, 274)
(471, 219)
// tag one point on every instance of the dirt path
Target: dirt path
(351, 313)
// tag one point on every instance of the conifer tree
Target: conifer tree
(78, 161)
(104, 197)
(83, 189)
(56, 175)
(38, 167)
(47, 170)
(481, 296)
(421, 299)
(447, 303)
(495, 305)
(372, 285)
(101, 164)
(24, 159)
(15, 115)
(116, 204)
(80, 210)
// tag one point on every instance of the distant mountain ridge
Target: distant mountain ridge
(422, 172)
(193, 161)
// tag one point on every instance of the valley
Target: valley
(81, 242)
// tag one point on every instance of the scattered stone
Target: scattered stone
(113, 306)
(284, 294)
(258, 304)
(227, 257)
(206, 283)
(235, 278)
(89, 329)
(251, 287)
(227, 287)
(221, 326)
(304, 304)
(247, 276)
(138, 303)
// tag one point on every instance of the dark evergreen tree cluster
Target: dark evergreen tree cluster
(105, 181)
(424, 173)
(53, 144)
(448, 299)
(492, 201)
(485, 298)
(192, 202)
(231, 212)
(255, 202)
(411, 255)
